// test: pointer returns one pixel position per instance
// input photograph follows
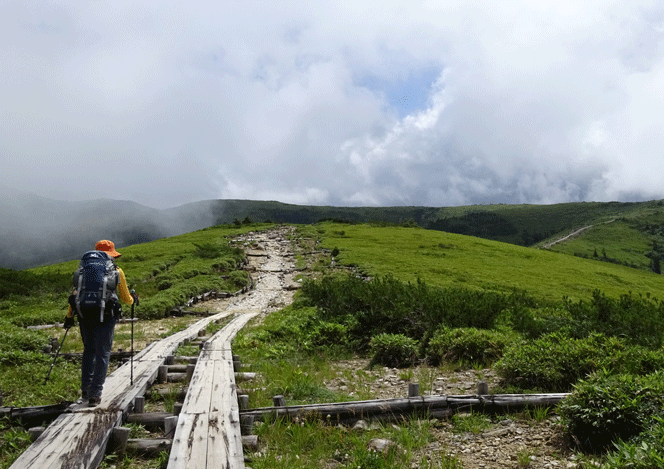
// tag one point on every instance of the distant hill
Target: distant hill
(37, 231)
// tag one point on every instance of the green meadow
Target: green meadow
(447, 259)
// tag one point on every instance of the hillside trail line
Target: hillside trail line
(271, 267)
(572, 235)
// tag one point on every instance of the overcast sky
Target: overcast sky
(433, 103)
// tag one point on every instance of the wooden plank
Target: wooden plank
(225, 444)
(75, 440)
(211, 403)
(225, 449)
(189, 449)
(199, 392)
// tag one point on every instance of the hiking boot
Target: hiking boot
(94, 400)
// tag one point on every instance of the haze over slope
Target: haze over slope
(36, 230)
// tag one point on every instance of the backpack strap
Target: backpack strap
(78, 294)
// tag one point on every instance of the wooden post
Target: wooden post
(250, 442)
(139, 404)
(117, 443)
(237, 364)
(243, 401)
(169, 360)
(35, 432)
(169, 426)
(247, 424)
(190, 371)
(413, 389)
(245, 376)
(177, 408)
(162, 374)
(177, 377)
(148, 447)
(279, 401)
(482, 388)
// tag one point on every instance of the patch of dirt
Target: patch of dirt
(510, 441)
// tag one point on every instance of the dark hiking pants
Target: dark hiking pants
(97, 342)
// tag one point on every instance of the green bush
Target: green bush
(386, 305)
(609, 407)
(239, 278)
(639, 319)
(643, 452)
(554, 362)
(393, 350)
(469, 345)
(536, 322)
(328, 334)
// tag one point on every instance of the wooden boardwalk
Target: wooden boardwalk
(78, 439)
(208, 430)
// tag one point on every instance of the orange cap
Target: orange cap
(107, 246)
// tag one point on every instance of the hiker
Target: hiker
(98, 282)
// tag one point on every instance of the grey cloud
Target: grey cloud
(167, 103)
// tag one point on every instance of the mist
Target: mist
(40, 231)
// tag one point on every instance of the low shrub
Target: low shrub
(469, 345)
(639, 319)
(239, 278)
(393, 350)
(643, 452)
(607, 408)
(328, 334)
(536, 322)
(554, 362)
(387, 305)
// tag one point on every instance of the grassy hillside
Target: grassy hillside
(628, 238)
(516, 224)
(447, 259)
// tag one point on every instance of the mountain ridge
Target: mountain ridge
(36, 230)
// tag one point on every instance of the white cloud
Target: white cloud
(170, 102)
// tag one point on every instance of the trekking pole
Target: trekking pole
(131, 355)
(56, 357)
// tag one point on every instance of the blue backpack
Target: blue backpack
(95, 281)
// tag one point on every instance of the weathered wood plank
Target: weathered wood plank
(225, 445)
(200, 387)
(76, 440)
(189, 449)
(363, 409)
(211, 403)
